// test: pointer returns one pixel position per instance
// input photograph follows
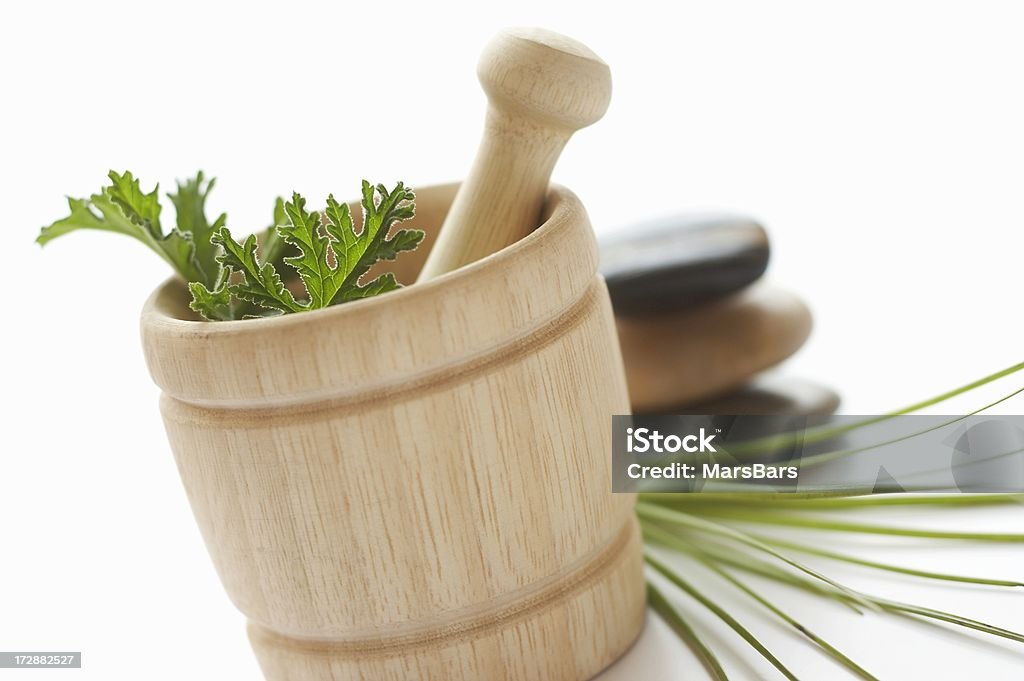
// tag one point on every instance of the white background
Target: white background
(881, 142)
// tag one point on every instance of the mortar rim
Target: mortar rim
(559, 203)
(459, 317)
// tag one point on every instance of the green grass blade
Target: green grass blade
(949, 617)
(692, 522)
(829, 501)
(832, 652)
(846, 558)
(685, 632)
(826, 457)
(733, 624)
(795, 520)
(761, 568)
(779, 441)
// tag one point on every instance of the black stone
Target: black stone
(768, 405)
(769, 395)
(674, 262)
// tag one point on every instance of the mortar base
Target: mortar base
(570, 636)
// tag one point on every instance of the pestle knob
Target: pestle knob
(541, 87)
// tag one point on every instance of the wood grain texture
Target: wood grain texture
(416, 486)
(709, 349)
(541, 87)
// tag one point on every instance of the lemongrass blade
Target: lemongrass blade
(685, 632)
(672, 516)
(825, 501)
(826, 457)
(760, 517)
(729, 620)
(951, 618)
(855, 560)
(832, 652)
(686, 498)
(762, 568)
(766, 570)
(795, 580)
(778, 441)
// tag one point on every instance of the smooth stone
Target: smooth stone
(709, 349)
(677, 261)
(769, 395)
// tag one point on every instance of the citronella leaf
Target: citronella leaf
(123, 208)
(214, 305)
(382, 284)
(143, 210)
(321, 279)
(361, 251)
(260, 283)
(190, 208)
(332, 256)
(273, 246)
(226, 278)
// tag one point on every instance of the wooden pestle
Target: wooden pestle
(541, 88)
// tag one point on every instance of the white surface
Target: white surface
(880, 142)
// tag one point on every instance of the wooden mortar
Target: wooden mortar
(416, 486)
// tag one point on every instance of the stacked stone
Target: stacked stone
(697, 325)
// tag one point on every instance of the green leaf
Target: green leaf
(214, 305)
(141, 208)
(190, 207)
(123, 208)
(312, 263)
(332, 257)
(273, 246)
(361, 251)
(382, 284)
(260, 283)
(227, 280)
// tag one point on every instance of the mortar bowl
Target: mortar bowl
(416, 485)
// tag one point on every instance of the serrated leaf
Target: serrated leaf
(214, 305)
(363, 250)
(227, 279)
(122, 207)
(312, 262)
(332, 256)
(273, 247)
(141, 208)
(190, 208)
(382, 284)
(260, 283)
